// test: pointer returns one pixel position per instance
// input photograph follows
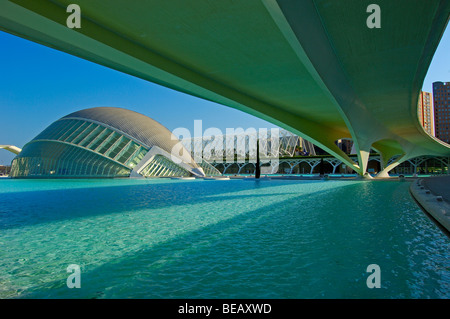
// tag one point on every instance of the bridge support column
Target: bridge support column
(363, 160)
(388, 151)
(391, 166)
(385, 171)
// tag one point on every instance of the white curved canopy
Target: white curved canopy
(11, 148)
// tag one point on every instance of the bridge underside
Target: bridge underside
(312, 67)
(11, 148)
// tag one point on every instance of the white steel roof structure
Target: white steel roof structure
(11, 148)
(105, 142)
(313, 67)
(243, 145)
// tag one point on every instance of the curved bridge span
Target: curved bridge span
(313, 67)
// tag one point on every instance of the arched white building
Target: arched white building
(105, 142)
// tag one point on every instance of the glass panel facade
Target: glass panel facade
(56, 130)
(160, 166)
(63, 160)
(97, 138)
(108, 143)
(81, 148)
(136, 157)
(91, 136)
(128, 153)
(208, 169)
(77, 132)
(120, 145)
(68, 132)
(77, 140)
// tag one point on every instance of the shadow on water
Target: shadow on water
(18, 209)
(158, 262)
(304, 247)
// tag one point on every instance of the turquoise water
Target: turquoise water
(218, 239)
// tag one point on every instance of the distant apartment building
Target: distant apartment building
(346, 145)
(425, 110)
(441, 101)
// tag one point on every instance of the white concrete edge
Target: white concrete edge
(433, 204)
(13, 149)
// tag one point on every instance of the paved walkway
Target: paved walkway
(433, 194)
(438, 186)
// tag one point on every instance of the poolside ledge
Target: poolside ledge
(433, 194)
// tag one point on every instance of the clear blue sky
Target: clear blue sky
(38, 85)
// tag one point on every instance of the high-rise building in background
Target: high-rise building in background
(441, 101)
(425, 110)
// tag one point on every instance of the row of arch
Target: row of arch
(291, 164)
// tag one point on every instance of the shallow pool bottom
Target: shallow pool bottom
(218, 239)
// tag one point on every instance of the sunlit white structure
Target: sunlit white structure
(105, 142)
(273, 143)
(11, 148)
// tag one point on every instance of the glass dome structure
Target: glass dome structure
(106, 142)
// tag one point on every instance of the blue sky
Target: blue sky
(38, 85)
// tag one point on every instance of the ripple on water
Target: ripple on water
(206, 239)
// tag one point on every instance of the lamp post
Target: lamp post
(257, 168)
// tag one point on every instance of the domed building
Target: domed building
(106, 142)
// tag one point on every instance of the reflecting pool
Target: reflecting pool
(164, 238)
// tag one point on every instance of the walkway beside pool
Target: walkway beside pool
(433, 194)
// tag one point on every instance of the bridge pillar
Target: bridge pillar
(391, 166)
(383, 165)
(363, 159)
